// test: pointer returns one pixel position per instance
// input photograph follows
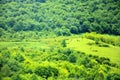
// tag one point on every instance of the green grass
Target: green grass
(74, 42)
(82, 44)
(45, 52)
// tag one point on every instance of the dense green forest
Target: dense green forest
(59, 39)
(61, 16)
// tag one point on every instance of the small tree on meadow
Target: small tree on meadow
(63, 43)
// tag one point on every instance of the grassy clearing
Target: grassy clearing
(82, 44)
(63, 62)
(74, 42)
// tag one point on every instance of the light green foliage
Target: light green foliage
(90, 47)
(110, 39)
(36, 60)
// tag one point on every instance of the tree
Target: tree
(5, 71)
(46, 71)
(113, 76)
(99, 76)
(63, 43)
(72, 58)
(41, 0)
(1, 32)
(74, 30)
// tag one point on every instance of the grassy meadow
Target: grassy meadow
(79, 53)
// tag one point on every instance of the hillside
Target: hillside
(62, 17)
(59, 39)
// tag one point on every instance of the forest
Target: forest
(59, 39)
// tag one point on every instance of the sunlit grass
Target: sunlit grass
(81, 44)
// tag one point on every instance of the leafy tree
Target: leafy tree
(72, 58)
(63, 43)
(1, 32)
(46, 71)
(99, 76)
(113, 76)
(41, 0)
(74, 30)
(5, 71)
(19, 57)
(67, 51)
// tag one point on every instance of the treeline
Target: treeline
(26, 1)
(60, 16)
(114, 40)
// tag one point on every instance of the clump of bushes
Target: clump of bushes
(46, 71)
(114, 40)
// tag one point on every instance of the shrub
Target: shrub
(99, 76)
(63, 43)
(67, 51)
(5, 71)
(72, 58)
(14, 65)
(103, 45)
(46, 71)
(19, 57)
(113, 76)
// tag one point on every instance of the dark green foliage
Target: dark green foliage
(113, 76)
(67, 51)
(41, 15)
(46, 71)
(41, 0)
(103, 60)
(22, 49)
(103, 45)
(64, 32)
(19, 57)
(99, 76)
(14, 65)
(16, 77)
(85, 61)
(63, 43)
(74, 30)
(72, 58)
(5, 71)
(1, 32)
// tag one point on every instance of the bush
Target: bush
(67, 51)
(63, 43)
(103, 45)
(72, 58)
(74, 30)
(14, 65)
(46, 71)
(114, 40)
(19, 57)
(113, 76)
(99, 76)
(103, 60)
(5, 71)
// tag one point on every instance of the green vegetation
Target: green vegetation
(91, 47)
(114, 40)
(59, 40)
(62, 17)
(48, 59)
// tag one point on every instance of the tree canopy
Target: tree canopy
(76, 16)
